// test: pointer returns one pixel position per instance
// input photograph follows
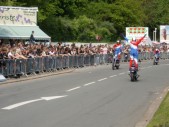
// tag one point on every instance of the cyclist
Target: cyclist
(117, 48)
(157, 53)
(134, 52)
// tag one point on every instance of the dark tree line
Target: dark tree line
(83, 20)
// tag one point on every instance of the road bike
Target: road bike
(116, 62)
(133, 73)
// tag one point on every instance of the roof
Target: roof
(22, 32)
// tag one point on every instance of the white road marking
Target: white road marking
(73, 89)
(89, 83)
(52, 97)
(102, 79)
(31, 101)
(20, 104)
(113, 76)
(122, 73)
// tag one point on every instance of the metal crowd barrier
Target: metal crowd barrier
(14, 67)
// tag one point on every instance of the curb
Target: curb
(152, 109)
(37, 76)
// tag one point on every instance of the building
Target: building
(19, 22)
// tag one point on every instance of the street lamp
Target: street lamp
(155, 34)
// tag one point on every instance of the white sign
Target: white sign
(18, 15)
(137, 33)
(164, 33)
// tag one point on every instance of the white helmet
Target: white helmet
(134, 38)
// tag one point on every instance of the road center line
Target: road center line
(102, 79)
(20, 104)
(73, 89)
(89, 83)
(113, 76)
(122, 73)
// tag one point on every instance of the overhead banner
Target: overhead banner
(18, 15)
(137, 33)
(164, 34)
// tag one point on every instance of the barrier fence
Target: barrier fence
(20, 67)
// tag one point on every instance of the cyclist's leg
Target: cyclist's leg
(119, 56)
(136, 60)
(131, 61)
(115, 55)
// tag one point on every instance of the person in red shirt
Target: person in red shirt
(117, 49)
(134, 52)
(157, 52)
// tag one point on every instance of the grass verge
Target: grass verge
(161, 116)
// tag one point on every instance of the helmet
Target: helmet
(134, 38)
(118, 41)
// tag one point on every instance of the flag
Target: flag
(126, 39)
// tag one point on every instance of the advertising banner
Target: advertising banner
(164, 34)
(137, 33)
(18, 15)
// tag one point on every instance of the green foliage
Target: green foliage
(85, 28)
(86, 36)
(157, 13)
(82, 20)
(105, 30)
(8, 2)
(161, 117)
(121, 14)
(60, 29)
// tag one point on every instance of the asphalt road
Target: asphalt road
(87, 97)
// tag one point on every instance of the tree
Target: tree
(59, 28)
(157, 14)
(121, 13)
(77, 19)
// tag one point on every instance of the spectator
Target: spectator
(32, 38)
(11, 54)
(3, 56)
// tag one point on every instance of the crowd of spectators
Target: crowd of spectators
(21, 50)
